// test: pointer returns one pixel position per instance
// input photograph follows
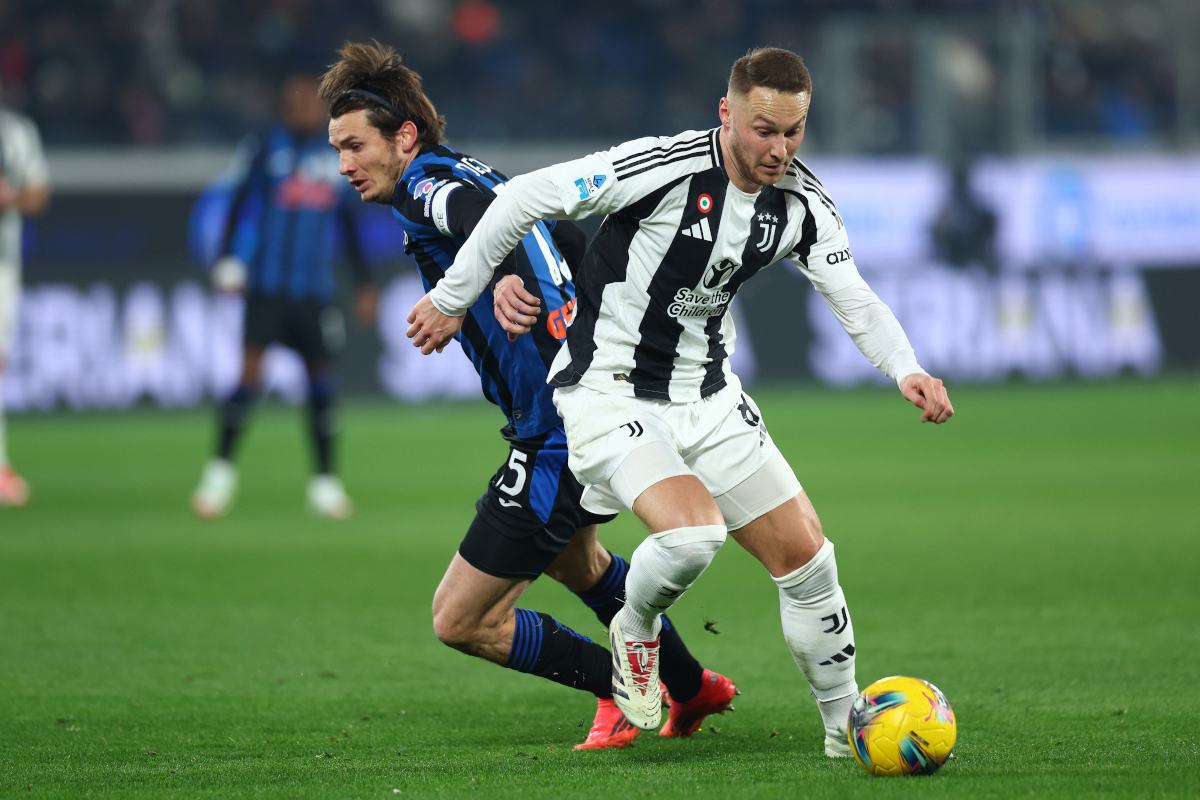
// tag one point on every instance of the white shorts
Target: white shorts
(721, 440)
(10, 291)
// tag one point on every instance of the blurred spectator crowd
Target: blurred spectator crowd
(148, 72)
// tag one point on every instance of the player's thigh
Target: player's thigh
(784, 538)
(680, 501)
(762, 502)
(620, 448)
(727, 440)
(263, 320)
(529, 512)
(316, 330)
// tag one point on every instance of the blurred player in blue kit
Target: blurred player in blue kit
(278, 248)
(389, 138)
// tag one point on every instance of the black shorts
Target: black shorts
(529, 512)
(313, 328)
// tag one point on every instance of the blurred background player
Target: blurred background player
(24, 191)
(279, 250)
(529, 521)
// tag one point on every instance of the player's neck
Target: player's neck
(733, 167)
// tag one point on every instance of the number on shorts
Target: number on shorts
(516, 462)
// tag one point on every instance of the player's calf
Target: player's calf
(820, 635)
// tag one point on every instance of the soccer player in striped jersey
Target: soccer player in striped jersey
(294, 204)
(389, 138)
(655, 419)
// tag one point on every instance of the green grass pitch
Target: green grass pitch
(1038, 558)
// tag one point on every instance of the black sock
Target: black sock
(232, 415)
(545, 647)
(678, 668)
(321, 422)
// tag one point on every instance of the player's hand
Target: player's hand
(366, 304)
(515, 308)
(928, 394)
(429, 328)
(7, 196)
(229, 274)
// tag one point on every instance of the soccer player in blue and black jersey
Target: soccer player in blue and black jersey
(289, 208)
(389, 138)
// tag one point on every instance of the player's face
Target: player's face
(761, 131)
(303, 110)
(371, 162)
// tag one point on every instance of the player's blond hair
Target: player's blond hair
(371, 76)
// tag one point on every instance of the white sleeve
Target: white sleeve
(875, 330)
(570, 190)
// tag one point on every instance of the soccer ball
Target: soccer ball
(901, 726)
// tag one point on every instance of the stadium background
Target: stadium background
(149, 655)
(1078, 124)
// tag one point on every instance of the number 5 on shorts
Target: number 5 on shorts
(516, 463)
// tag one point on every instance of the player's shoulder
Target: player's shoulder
(438, 165)
(13, 117)
(803, 184)
(798, 177)
(16, 123)
(687, 151)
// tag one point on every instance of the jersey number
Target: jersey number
(474, 165)
(516, 463)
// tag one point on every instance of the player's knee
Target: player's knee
(456, 630)
(688, 550)
(579, 568)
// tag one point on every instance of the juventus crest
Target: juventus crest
(767, 225)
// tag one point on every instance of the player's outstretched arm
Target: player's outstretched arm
(439, 314)
(928, 394)
(570, 190)
(511, 215)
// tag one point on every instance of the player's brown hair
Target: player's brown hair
(771, 68)
(371, 76)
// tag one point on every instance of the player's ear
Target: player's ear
(723, 111)
(408, 136)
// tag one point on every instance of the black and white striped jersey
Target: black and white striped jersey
(679, 240)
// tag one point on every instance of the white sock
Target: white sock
(818, 631)
(663, 566)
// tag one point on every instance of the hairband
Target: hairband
(380, 101)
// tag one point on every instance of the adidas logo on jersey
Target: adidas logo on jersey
(701, 230)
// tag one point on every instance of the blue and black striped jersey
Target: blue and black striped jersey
(438, 200)
(290, 209)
